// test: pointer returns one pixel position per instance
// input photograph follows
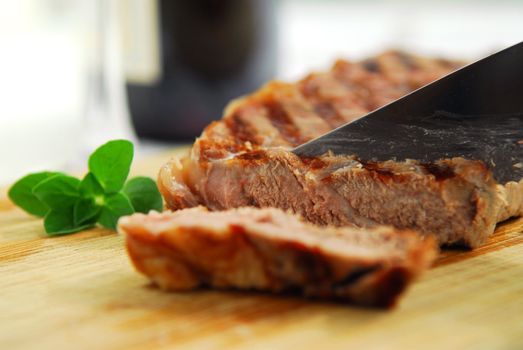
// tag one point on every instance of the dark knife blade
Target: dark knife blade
(475, 112)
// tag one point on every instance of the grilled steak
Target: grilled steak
(245, 160)
(268, 249)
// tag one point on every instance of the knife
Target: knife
(475, 112)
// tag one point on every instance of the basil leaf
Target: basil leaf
(143, 194)
(110, 164)
(116, 205)
(90, 187)
(21, 193)
(61, 222)
(58, 192)
(85, 211)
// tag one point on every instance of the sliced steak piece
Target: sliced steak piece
(270, 250)
(245, 160)
(455, 199)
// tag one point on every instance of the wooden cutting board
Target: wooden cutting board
(80, 291)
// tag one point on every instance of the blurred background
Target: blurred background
(75, 73)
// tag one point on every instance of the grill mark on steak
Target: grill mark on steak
(377, 168)
(281, 121)
(328, 113)
(328, 179)
(371, 65)
(253, 155)
(211, 150)
(240, 130)
(322, 107)
(440, 171)
(382, 172)
(313, 163)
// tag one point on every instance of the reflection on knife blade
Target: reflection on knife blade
(475, 112)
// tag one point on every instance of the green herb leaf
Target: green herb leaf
(90, 187)
(58, 192)
(110, 164)
(116, 205)
(86, 211)
(61, 222)
(21, 193)
(143, 194)
(70, 205)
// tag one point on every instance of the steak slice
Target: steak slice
(245, 160)
(455, 199)
(270, 250)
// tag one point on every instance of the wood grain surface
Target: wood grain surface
(80, 292)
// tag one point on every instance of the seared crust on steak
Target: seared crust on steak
(270, 250)
(245, 160)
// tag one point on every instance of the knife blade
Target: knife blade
(475, 112)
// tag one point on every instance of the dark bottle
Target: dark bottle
(211, 51)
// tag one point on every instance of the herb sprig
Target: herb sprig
(69, 205)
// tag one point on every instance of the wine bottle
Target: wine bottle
(186, 59)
